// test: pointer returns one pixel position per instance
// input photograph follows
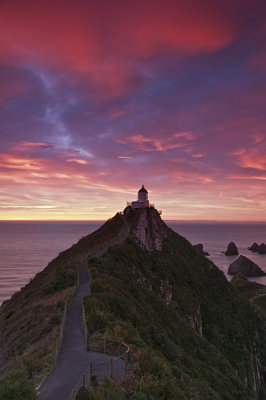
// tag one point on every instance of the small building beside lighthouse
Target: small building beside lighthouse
(142, 201)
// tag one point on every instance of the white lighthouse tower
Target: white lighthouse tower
(142, 201)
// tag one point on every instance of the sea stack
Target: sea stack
(246, 267)
(258, 248)
(262, 248)
(254, 247)
(199, 248)
(232, 250)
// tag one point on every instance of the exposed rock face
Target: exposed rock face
(258, 248)
(150, 230)
(199, 249)
(232, 250)
(166, 291)
(245, 267)
(196, 321)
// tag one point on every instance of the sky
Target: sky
(100, 97)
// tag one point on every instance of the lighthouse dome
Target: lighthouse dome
(143, 190)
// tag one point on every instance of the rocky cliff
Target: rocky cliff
(148, 228)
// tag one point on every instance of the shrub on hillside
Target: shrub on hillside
(16, 386)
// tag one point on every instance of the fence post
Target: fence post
(126, 361)
(85, 326)
(112, 368)
(90, 370)
(104, 344)
(56, 351)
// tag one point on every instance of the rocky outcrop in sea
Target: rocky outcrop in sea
(258, 248)
(246, 267)
(199, 248)
(232, 249)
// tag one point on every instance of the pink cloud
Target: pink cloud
(258, 137)
(253, 158)
(9, 161)
(25, 146)
(198, 155)
(78, 161)
(158, 143)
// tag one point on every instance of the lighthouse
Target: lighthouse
(142, 201)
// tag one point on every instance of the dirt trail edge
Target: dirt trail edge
(73, 357)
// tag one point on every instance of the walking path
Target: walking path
(73, 358)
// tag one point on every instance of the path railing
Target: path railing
(112, 367)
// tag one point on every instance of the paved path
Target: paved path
(73, 358)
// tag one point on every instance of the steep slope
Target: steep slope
(30, 320)
(193, 336)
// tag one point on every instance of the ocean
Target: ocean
(27, 247)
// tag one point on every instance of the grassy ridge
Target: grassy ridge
(30, 320)
(194, 337)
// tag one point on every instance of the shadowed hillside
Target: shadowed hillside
(193, 336)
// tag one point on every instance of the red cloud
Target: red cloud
(99, 38)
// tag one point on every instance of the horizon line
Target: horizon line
(167, 219)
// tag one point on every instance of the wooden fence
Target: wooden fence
(115, 364)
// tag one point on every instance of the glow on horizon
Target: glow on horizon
(169, 95)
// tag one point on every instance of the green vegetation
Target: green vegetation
(108, 390)
(30, 320)
(192, 336)
(16, 386)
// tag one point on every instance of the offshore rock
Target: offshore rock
(254, 247)
(246, 267)
(262, 248)
(232, 250)
(199, 249)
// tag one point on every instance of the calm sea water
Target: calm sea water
(27, 247)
